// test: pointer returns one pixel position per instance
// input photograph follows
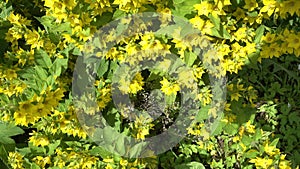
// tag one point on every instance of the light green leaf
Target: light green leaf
(8, 130)
(137, 149)
(41, 74)
(203, 113)
(46, 21)
(259, 33)
(52, 147)
(190, 165)
(183, 7)
(215, 21)
(5, 12)
(189, 58)
(222, 33)
(99, 151)
(58, 65)
(103, 67)
(251, 153)
(42, 58)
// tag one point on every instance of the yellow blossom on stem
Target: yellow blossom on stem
(33, 38)
(250, 5)
(204, 8)
(168, 88)
(261, 162)
(269, 7)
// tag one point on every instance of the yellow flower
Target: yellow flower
(271, 150)
(169, 88)
(289, 6)
(284, 164)
(142, 125)
(262, 162)
(204, 8)
(293, 40)
(136, 84)
(42, 161)
(241, 34)
(108, 166)
(15, 160)
(250, 5)
(108, 160)
(198, 71)
(269, 38)
(235, 96)
(250, 128)
(250, 48)
(236, 139)
(33, 38)
(10, 74)
(239, 14)
(14, 19)
(123, 162)
(205, 96)
(70, 4)
(25, 113)
(197, 22)
(269, 6)
(270, 51)
(241, 130)
(38, 139)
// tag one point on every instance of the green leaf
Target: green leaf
(103, 67)
(103, 19)
(251, 153)
(231, 128)
(119, 144)
(252, 60)
(63, 27)
(137, 149)
(222, 33)
(52, 147)
(190, 165)
(41, 74)
(3, 156)
(246, 140)
(42, 58)
(259, 33)
(218, 30)
(170, 99)
(274, 142)
(99, 151)
(215, 21)
(253, 14)
(217, 126)
(46, 21)
(258, 134)
(183, 8)
(5, 12)
(34, 166)
(58, 66)
(8, 130)
(76, 51)
(203, 113)
(118, 14)
(189, 58)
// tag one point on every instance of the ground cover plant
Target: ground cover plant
(257, 48)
